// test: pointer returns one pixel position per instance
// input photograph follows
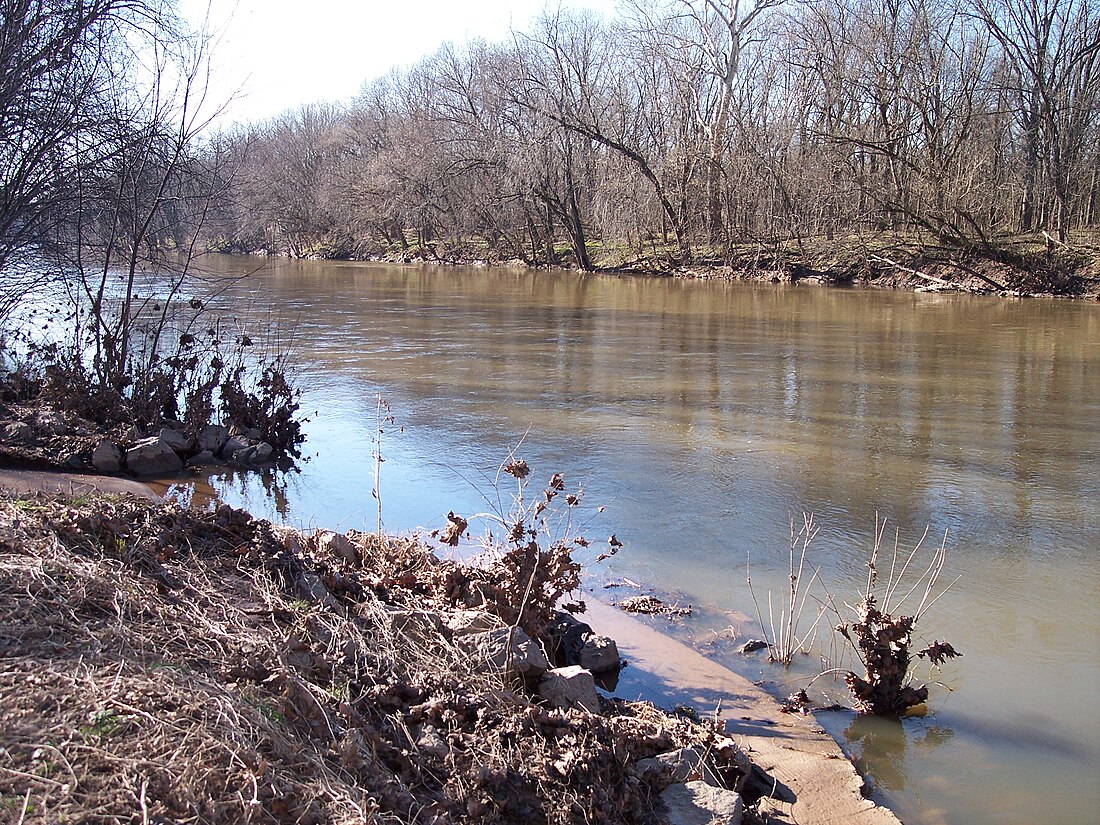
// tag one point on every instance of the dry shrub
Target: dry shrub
(882, 636)
(164, 664)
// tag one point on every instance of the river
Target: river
(704, 417)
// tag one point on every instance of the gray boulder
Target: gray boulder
(339, 545)
(419, 626)
(51, 422)
(429, 741)
(466, 622)
(600, 654)
(570, 688)
(107, 457)
(679, 765)
(697, 803)
(572, 642)
(202, 459)
(233, 445)
(19, 434)
(491, 649)
(151, 457)
(312, 588)
(212, 438)
(254, 454)
(181, 442)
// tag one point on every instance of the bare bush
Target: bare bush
(883, 637)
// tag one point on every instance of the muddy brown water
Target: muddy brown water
(703, 417)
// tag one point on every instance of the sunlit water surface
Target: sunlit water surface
(705, 416)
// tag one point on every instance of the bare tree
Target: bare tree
(57, 58)
(707, 39)
(1051, 52)
(575, 78)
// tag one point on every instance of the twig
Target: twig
(142, 802)
(752, 595)
(1051, 240)
(912, 271)
(26, 807)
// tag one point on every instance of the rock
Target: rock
(311, 587)
(212, 438)
(753, 645)
(233, 445)
(465, 622)
(565, 637)
(679, 765)
(205, 458)
(338, 545)
(50, 422)
(570, 688)
(244, 457)
(151, 456)
(76, 461)
(253, 455)
(429, 741)
(178, 441)
(697, 803)
(420, 626)
(600, 655)
(572, 642)
(264, 452)
(82, 426)
(289, 538)
(491, 648)
(19, 434)
(107, 457)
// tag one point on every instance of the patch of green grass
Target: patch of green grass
(269, 712)
(28, 506)
(340, 692)
(102, 724)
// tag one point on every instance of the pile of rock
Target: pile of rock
(171, 449)
(692, 790)
(44, 436)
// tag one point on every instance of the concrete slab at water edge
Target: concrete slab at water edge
(41, 481)
(824, 787)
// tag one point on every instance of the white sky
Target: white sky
(282, 53)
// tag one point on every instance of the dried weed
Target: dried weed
(164, 664)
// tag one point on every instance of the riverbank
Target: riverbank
(203, 663)
(1015, 267)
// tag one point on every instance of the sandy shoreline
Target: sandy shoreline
(823, 784)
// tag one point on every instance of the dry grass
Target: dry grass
(161, 664)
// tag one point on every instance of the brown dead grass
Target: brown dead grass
(162, 664)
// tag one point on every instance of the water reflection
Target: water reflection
(269, 489)
(878, 747)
